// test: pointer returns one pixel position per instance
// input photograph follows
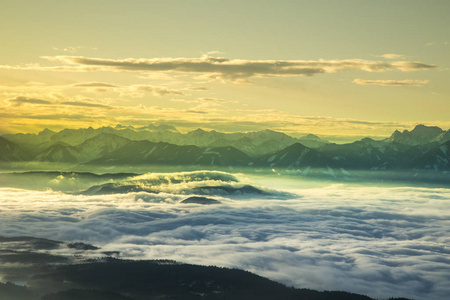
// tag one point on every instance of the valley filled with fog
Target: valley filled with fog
(375, 239)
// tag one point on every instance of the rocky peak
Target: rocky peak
(422, 129)
(420, 135)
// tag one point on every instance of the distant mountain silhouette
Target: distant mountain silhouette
(295, 156)
(251, 143)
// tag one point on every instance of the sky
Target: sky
(333, 68)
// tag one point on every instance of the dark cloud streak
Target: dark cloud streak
(85, 104)
(45, 116)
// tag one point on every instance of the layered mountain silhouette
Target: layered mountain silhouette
(251, 143)
(423, 148)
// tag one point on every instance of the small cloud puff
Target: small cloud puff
(392, 56)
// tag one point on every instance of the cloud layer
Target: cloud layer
(235, 69)
(381, 241)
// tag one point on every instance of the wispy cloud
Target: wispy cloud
(437, 44)
(408, 66)
(18, 101)
(407, 82)
(23, 100)
(156, 90)
(219, 100)
(199, 88)
(95, 85)
(203, 100)
(43, 116)
(73, 49)
(135, 90)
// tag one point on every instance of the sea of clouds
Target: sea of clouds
(382, 241)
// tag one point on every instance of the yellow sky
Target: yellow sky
(324, 67)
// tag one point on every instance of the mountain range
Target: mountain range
(423, 148)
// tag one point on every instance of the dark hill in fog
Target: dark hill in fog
(55, 277)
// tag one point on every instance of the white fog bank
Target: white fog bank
(382, 241)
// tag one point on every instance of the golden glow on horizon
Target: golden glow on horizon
(296, 67)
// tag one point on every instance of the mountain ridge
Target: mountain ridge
(423, 148)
